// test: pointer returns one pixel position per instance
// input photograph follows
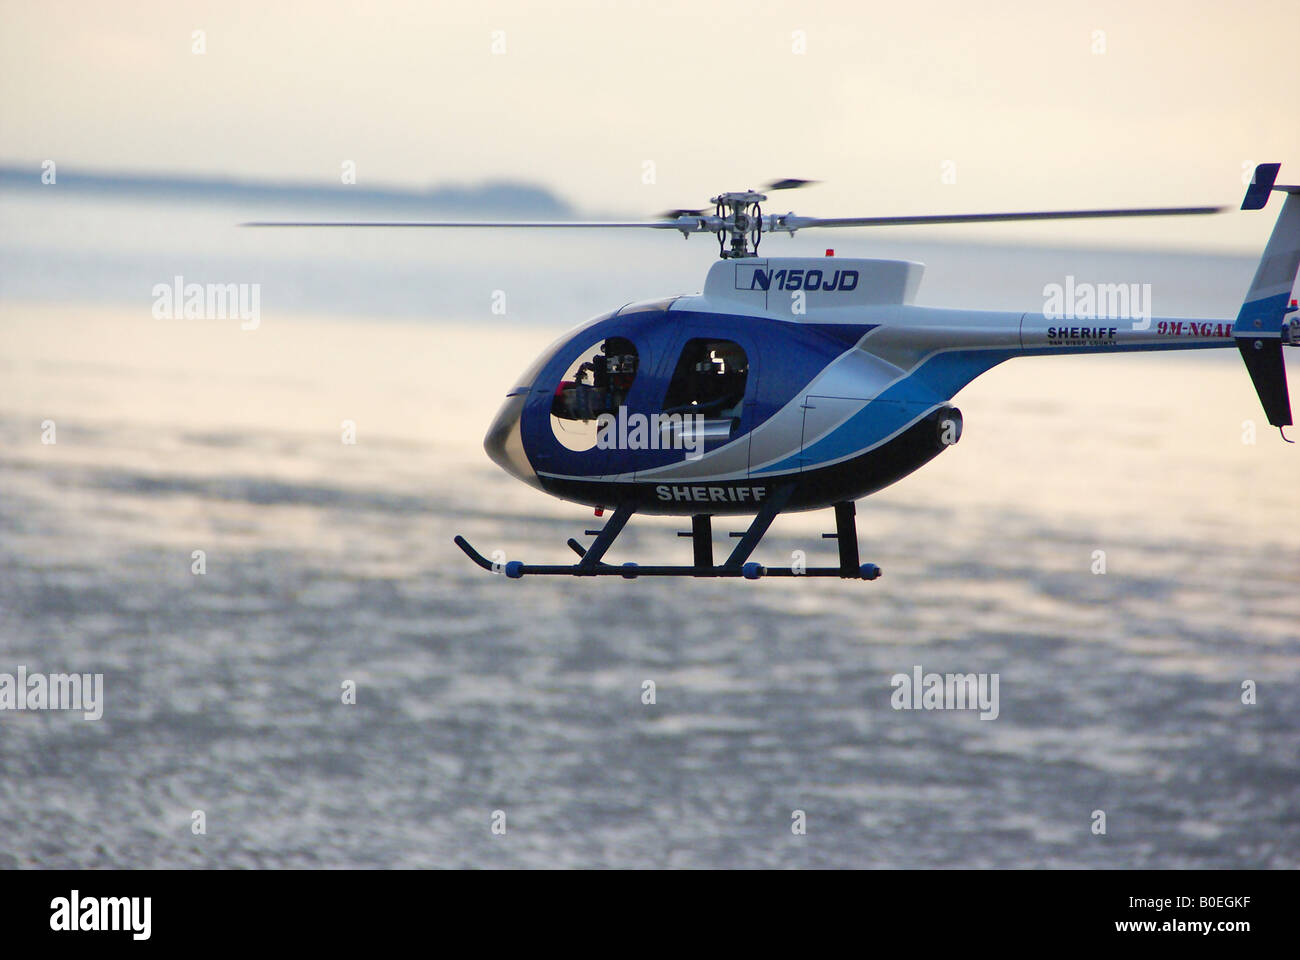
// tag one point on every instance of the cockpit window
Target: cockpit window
(596, 383)
(709, 380)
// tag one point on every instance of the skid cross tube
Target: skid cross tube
(605, 539)
(766, 514)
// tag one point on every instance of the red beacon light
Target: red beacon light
(831, 253)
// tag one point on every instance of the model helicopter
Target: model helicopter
(799, 383)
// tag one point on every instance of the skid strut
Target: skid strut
(737, 564)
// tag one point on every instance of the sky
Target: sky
(638, 107)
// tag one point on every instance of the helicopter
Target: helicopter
(804, 383)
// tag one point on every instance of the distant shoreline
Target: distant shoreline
(515, 196)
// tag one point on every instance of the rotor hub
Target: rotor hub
(740, 227)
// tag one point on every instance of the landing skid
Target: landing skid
(591, 559)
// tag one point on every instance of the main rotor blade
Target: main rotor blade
(800, 223)
(789, 183)
(527, 224)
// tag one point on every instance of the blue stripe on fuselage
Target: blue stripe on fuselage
(935, 380)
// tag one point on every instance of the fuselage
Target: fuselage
(817, 375)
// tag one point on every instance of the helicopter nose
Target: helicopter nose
(504, 442)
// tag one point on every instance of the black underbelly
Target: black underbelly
(813, 489)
